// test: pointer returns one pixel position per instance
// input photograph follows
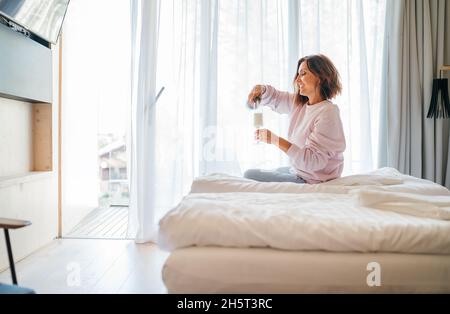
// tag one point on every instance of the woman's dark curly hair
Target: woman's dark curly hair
(329, 80)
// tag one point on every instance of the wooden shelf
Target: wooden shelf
(40, 163)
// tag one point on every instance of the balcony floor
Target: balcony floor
(102, 223)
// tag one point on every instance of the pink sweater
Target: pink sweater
(316, 135)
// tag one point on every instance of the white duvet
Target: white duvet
(383, 211)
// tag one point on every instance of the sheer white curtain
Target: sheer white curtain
(210, 54)
(142, 131)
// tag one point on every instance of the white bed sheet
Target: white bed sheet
(255, 270)
(319, 221)
(383, 211)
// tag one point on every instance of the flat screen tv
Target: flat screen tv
(42, 18)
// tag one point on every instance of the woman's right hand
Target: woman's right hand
(255, 95)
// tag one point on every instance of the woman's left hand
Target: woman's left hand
(266, 136)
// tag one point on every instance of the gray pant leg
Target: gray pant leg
(284, 169)
(272, 175)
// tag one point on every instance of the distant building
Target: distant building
(112, 163)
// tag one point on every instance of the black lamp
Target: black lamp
(440, 109)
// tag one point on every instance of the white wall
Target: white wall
(15, 137)
(34, 197)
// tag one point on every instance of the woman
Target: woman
(316, 140)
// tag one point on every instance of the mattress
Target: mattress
(265, 270)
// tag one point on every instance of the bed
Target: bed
(377, 232)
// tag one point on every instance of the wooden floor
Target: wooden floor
(92, 266)
(102, 223)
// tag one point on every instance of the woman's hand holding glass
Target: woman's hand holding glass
(266, 136)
